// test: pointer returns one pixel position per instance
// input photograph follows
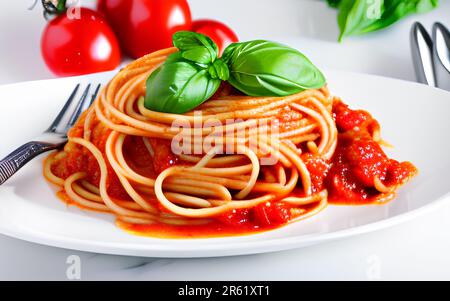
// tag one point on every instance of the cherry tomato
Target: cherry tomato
(220, 33)
(74, 46)
(101, 6)
(144, 26)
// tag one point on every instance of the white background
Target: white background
(415, 250)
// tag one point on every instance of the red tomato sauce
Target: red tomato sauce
(135, 152)
(265, 217)
(348, 177)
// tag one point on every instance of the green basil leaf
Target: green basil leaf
(219, 70)
(424, 6)
(355, 16)
(196, 47)
(358, 17)
(334, 3)
(398, 9)
(179, 86)
(263, 68)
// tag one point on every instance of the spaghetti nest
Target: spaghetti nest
(255, 153)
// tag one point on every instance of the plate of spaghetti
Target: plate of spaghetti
(254, 164)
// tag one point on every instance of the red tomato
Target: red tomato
(74, 46)
(101, 6)
(220, 33)
(144, 26)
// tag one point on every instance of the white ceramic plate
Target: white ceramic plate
(413, 117)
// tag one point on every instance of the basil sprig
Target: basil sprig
(357, 17)
(192, 75)
(188, 77)
(263, 68)
(195, 47)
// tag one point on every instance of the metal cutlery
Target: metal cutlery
(441, 51)
(431, 55)
(53, 138)
(422, 52)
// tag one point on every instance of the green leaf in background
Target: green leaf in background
(196, 47)
(179, 86)
(333, 3)
(263, 68)
(358, 17)
(395, 10)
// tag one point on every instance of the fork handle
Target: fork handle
(21, 156)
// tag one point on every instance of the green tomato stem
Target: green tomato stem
(53, 8)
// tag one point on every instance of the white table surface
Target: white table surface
(412, 251)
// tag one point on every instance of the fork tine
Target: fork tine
(79, 108)
(94, 96)
(63, 111)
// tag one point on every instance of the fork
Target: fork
(53, 138)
